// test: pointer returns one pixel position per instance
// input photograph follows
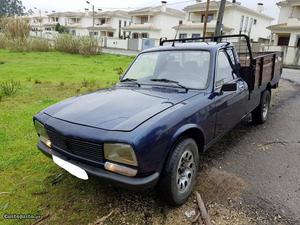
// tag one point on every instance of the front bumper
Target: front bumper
(135, 183)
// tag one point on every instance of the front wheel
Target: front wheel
(261, 113)
(179, 175)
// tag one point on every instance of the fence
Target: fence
(291, 55)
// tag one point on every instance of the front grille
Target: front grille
(86, 150)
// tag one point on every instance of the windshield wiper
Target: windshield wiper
(130, 80)
(164, 80)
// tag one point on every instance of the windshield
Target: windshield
(187, 68)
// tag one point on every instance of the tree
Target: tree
(11, 8)
(61, 29)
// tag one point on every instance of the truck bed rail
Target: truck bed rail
(218, 39)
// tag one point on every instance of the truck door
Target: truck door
(230, 105)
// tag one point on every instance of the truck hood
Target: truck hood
(122, 109)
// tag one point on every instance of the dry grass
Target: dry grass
(39, 45)
(71, 44)
(16, 28)
(88, 46)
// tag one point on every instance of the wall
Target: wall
(117, 43)
(285, 13)
(291, 54)
(232, 18)
(114, 22)
(166, 24)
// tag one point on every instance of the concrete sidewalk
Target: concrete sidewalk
(291, 75)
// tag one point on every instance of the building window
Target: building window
(93, 34)
(125, 23)
(120, 25)
(145, 35)
(283, 40)
(255, 21)
(102, 21)
(73, 32)
(110, 34)
(298, 42)
(181, 36)
(196, 35)
(144, 19)
(135, 35)
(246, 24)
(180, 22)
(210, 17)
(242, 24)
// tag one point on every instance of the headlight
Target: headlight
(121, 153)
(40, 129)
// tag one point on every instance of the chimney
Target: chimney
(86, 12)
(260, 7)
(163, 6)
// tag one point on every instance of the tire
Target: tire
(261, 113)
(180, 172)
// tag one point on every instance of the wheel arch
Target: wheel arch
(269, 87)
(190, 130)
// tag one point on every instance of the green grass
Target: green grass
(27, 176)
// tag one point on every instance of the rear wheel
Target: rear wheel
(261, 113)
(179, 175)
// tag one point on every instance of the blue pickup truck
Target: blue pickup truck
(171, 105)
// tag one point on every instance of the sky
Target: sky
(79, 5)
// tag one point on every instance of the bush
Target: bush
(16, 28)
(39, 45)
(71, 44)
(88, 46)
(9, 88)
(3, 41)
(67, 43)
(18, 45)
(61, 29)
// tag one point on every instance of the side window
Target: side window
(223, 70)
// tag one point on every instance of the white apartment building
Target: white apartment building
(237, 20)
(287, 31)
(110, 24)
(107, 23)
(37, 22)
(154, 22)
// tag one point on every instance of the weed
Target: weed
(84, 83)
(36, 81)
(119, 71)
(88, 83)
(9, 88)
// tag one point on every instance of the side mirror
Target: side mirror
(229, 87)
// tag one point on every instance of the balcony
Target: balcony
(293, 21)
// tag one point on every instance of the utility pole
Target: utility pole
(93, 20)
(93, 8)
(206, 18)
(40, 20)
(220, 18)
